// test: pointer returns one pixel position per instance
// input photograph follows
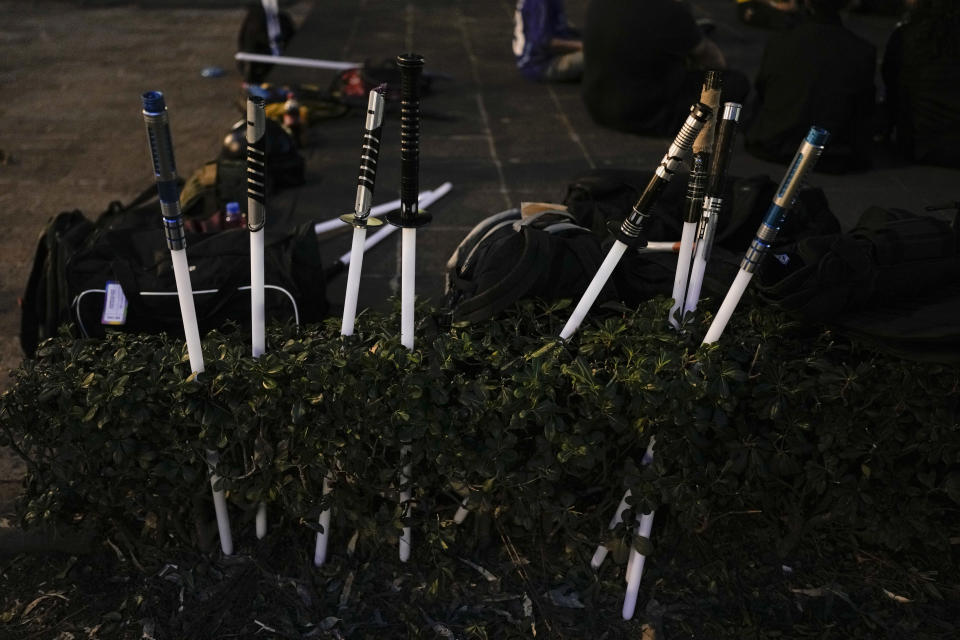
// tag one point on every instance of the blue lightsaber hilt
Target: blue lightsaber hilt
(411, 68)
(256, 163)
(369, 155)
(164, 167)
(806, 157)
(629, 231)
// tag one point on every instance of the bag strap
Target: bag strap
(472, 239)
(533, 261)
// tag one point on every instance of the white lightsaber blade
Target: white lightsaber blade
(683, 271)
(593, 289)
(310, 63)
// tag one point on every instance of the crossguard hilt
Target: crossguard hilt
(256, 163)
(411, 67)
(630, 230)
(164, 167)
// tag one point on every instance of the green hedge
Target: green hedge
(804, 431)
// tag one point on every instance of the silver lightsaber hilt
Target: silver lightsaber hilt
(629, 231)
(164, 167)
(369, 155)
(256, 163)
(805, 159)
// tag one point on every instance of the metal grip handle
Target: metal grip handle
(256, 163)
(369, 153)
(411, 66)
(164, 167)
(699, 115)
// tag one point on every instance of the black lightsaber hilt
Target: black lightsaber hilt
(411, 67)
(164, 167)
(723, 149)
(256, 163)
(629, 232)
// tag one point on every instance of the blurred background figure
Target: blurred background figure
(643, 65)
(817, 73)
(921, 75)
(769, 14)
(545, 46)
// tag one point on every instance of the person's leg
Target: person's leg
(565, 68)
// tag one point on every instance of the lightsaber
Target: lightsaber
(629, 232)
(310, 63)
(806, 157)
(256, 219)
(696, 184)
(369, 154)
(408, 219)
(712, 203)
(161, 150)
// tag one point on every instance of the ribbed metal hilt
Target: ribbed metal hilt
(696, 187)
(369, 155)
(164, 167)
(256, 163)
(411, 67)
(631, 228)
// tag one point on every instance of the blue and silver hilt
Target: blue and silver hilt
(164, 167)
(807, 156)
(256, 163)
(628, 232)
(713, 200)
(369, 154)
(409, 215)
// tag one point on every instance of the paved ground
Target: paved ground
(72, 137)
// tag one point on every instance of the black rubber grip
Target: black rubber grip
(411, 66)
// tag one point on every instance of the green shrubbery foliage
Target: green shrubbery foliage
(805, 431)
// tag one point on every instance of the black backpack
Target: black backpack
(893, 280)
(76, 258)
(507, 257)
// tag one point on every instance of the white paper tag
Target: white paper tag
(114, 305)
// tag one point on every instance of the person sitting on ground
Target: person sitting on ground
(643, 65)
(769, 14)
(545, 46)
(921, 74)
(818, 73)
